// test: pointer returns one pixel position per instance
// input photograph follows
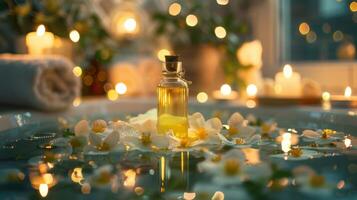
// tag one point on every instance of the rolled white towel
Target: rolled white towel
(41, 82)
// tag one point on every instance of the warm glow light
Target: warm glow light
(40, 30)
(77, 175)
(220, 32)
(222, 2)
(286, 142)
(304, 28)
(121, 88)
(162, 53)
(175, 9)
(202, 97)
(337, 36)
(191, 20)
(77, 71)
(311, 37)
(288, 71)
(218, 196)
(77, 101)
(353, 6)
(112, 95)
(48, 178)
(130, 176)
(348, 91)
(189, 195)
(226, 90)
(43, 189)
(252, 90)
(251, 103)
(74, 36)
(348, 142)
(326, 96)
(130, 25)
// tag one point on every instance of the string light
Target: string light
(74, 36)
(174, 9)
(191, 20)
(220, 32)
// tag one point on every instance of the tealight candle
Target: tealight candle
(346, 100)
(40, 41)
(225, 93)
(288, 83)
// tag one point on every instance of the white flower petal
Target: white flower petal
(82, 128)
(235, 120)
(95, 139)
(161, 142)
(196, 120)
(112, 139)
(214, 123)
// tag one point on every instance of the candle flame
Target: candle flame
(326, 96)
(252, 90)
(43, 189)
(288, 71)
(348, 91)
(130, 25)
(41, 29)
(226, 90)
(121, 88)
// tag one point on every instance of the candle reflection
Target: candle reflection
(162, 173)
(130, 178)
(286, 144)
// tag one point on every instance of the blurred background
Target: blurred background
(117, 46)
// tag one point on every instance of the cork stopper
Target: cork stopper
(172, 64)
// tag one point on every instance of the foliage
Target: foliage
(232, 17)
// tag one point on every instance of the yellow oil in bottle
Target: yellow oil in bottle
(172, 110)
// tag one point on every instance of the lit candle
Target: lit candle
(288, 83)
(225, 93)
(38, 42)
(346, 100)
(286, 144)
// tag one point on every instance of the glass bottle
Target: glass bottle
(172, 95)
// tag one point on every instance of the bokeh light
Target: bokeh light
(130, 25)
(174, 9)
(112, 95)
(191, 20)
(304, 28)
(162, 53)
(202, 97)
(77, 101)
(77, 71)
(311, 37)
(220, 32)
(348, 91)
(74, 36)
(222, 2)
(353, 6)
(326, 96)
(121, 88)
(337, 36)
(252, 90)
(226, 90)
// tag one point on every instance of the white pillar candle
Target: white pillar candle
(40, 41)
(288, 83)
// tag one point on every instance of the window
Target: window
(318, 30)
